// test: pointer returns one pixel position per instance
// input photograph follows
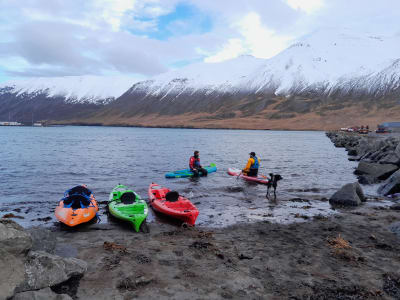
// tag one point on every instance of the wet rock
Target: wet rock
(379, 171)
(43, 270)
(395, 206)
(12, 273)
(391, 186)
(390, 158)
(12, 216)
(13, 238)
(43, 239)
(350, 194)
(44, 294)
(367, 179)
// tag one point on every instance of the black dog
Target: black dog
(273, 182)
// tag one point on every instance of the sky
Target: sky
(143, 38)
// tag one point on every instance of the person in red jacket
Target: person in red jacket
(195, 166)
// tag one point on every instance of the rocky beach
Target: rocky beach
(352, 254)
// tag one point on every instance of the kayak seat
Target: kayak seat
(128, 198)
(172, 196)
(79, 190)
(76, 201)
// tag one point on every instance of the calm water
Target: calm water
(39, 164)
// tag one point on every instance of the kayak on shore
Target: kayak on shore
(172, 204)
(238, 173)
(126, 205)
(78, 206)
(187, 173)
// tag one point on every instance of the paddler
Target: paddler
(195, 166)
(252, 166)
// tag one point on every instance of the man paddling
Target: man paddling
(252, 166)
(195, 166)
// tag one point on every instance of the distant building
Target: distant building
(389, 127)
(10, 124)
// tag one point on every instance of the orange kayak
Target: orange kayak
(78, 206)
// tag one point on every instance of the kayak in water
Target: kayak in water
(126, 205)
(187, 173)
(172, 204)
(238, 173)
(78, 206)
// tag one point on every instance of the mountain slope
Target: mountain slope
(59, 97)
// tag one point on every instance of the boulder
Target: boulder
(43, 270)
(367, 179)
(390, 158)
(395, 206)
(12, 273)
(397, 150)
(391, 186)
(44, 294)
(13, 238)
(379, 171)
(350, 194)
(43, 239)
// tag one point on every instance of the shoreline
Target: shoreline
(350, 255)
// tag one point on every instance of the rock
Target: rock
(395, 206)
(13, 238)
(395, 228)
(352, 152)
(390, 158)
(379, 171)
(397, 150)
(391, 186)
(44, 294)
(43, 239)
(367, 179)
(43, 270)
(350, 194)
(12, 273)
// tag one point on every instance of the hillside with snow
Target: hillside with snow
(74, 89)
(316, 77)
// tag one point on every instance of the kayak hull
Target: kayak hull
(73, 217)
(134, 211)
(181, 209)
(259, 179)
(187, 173)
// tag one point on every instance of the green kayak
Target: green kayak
(126, 205)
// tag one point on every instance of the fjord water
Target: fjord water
(39, 164)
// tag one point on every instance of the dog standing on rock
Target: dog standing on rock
(273, 182)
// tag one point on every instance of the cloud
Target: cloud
(308, 6)
(255, 39)
(147, 37)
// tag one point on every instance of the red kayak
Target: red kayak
(172, 204)
(238, 173)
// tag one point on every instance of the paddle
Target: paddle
(239, 175)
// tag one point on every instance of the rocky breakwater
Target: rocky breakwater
(378, 156)
(28, 269)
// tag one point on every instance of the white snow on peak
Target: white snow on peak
(326, 57)
(88, 88)
(221, 76)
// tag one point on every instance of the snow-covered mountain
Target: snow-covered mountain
(74, 89)
(323, 61)
(315, 74)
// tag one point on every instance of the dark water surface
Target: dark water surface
(39, 164)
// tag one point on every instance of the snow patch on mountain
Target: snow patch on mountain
(75, 89)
